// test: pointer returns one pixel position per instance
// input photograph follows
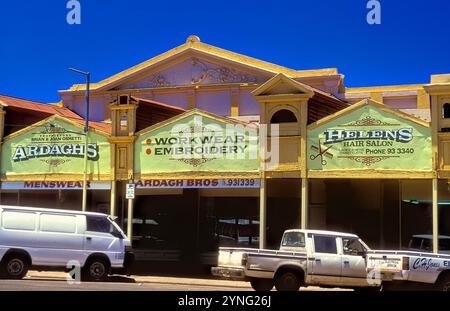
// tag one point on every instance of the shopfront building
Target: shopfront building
(42, 166)
(227, 150)
(367, 158)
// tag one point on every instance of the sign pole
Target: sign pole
(86, 136)
(86, 142)
(130, 195)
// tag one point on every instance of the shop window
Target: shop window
(237, 232)
(446, 111)
(284, 116)
(123, 122)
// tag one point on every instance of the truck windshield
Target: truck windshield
(293, 239)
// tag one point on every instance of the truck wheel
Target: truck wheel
(14, 266)
(287, 281)
(262, 285)
(95, 270)
(443, 284)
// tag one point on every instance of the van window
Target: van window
(101, 224)
(58, 223)
(19, 221)
(325, 244)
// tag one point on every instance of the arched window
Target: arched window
(446, 111)
(283, 116)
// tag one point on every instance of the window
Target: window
(58, 223)
(101, 224)
(427, 245)
(444, 244)
(325, 244)
(352, 247)
(283, 116)
(19, 221)
(293, 239)
(415, 243)
(446, 111)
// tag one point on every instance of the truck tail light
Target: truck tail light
(405, 263)
(244, 259)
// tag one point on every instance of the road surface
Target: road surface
(56, 281)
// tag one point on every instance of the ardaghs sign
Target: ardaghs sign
(23, 153)
(55, 145)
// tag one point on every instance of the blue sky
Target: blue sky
(37, 45)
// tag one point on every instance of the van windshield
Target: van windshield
(104, 225)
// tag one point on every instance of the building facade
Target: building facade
(224, 149)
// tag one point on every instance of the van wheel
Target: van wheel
(95, 270)
(14, 266)
(262, 285)
(443, 284)
(287, 282)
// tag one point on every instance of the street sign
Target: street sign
(130, 191)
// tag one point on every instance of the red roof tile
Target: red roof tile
(49, 109)
(36, 106)
(101, 126)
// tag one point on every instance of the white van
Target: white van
(49, 238)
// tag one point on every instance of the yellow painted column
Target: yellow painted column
(262, 212)
(435, 217)
(235, 102)
(112, 210)
(130, 219)
(304, 204)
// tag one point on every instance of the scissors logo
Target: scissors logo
(322, 153)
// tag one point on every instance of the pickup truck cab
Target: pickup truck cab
(52, 239)
(305, 257)
(424, 243)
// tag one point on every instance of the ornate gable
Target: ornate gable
(193, 71)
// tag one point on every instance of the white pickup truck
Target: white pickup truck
(306, 257)
(410, 270)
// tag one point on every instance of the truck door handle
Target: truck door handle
(346, 262)
(88, 238)
(318, 260)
